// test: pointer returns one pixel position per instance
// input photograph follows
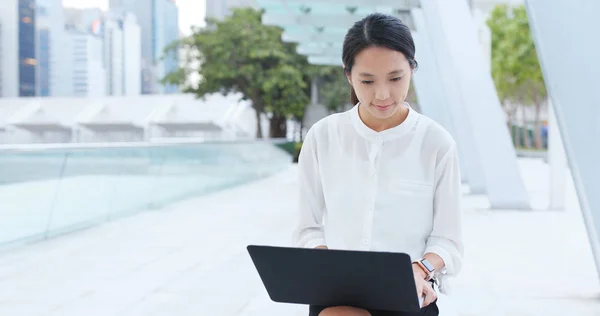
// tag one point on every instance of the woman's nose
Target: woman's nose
(382, 94)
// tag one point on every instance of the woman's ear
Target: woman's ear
(349, 78)
(412, 69)
(348, 75)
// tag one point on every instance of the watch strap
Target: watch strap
(423, 265)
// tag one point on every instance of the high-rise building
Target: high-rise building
(158, 20)
(18, 48)
(121, 46)
(86, 70)
(122, 54)
(82, 19)
(113, 56)
(220, 8)
(27, 51)
(51, 37)
(43, 53)
(166, 31)
(132, 51)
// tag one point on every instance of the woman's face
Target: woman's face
(381, 78)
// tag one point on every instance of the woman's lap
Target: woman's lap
(431, 310)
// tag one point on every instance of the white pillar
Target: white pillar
(573, 88)
(442, 103)
(453, 37)
(557, 162)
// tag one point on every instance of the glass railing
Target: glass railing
(50, 190)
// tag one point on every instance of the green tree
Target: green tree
(515, 66)
(334, 88)
(240, 54)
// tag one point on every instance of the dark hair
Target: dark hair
(377, 30)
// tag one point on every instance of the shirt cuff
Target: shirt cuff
(449, 268)
(312, 241)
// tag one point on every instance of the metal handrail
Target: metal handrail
(157, 142)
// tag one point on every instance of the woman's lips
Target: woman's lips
(382, 107)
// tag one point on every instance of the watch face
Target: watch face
(428, 265)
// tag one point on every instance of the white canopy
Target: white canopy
(319, 27)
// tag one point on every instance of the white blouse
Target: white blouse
(398, 190)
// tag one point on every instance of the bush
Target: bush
(297, 149)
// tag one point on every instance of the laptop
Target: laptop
(327, 277)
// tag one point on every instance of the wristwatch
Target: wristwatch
(427, 267)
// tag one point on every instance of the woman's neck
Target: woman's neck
(380, 125)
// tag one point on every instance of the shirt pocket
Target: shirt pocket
(411, 188)
(410, 205)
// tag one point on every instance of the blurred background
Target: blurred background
(145, 143)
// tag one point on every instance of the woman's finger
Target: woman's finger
(420, 290)
(430, 295)
(426, 300)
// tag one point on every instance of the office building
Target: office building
(43, 53)
(27, 48)
(82, 19)
(122, 53)
(158, 20)
(166, 31)
(18, 55)
(51, 59)
(86, 70)
(121, 48)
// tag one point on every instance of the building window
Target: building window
(41, 11)
(30, 61)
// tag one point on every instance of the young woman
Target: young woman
(382, 177)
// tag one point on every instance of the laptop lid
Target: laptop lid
(365, 279)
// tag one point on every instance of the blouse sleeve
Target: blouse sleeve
(445, 239)
(309, 232)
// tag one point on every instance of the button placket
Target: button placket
(371, 199)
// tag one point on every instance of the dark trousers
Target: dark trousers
(430, 310)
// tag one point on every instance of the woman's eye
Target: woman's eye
(371, 81)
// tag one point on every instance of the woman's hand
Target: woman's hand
(344, 311)
(424, 288)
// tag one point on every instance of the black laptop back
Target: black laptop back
(366, 279)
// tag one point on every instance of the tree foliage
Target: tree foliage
(515, 67)
(240, 54)
(334, 88)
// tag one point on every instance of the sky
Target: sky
(191, 12)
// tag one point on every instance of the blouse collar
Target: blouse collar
(392, 133)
